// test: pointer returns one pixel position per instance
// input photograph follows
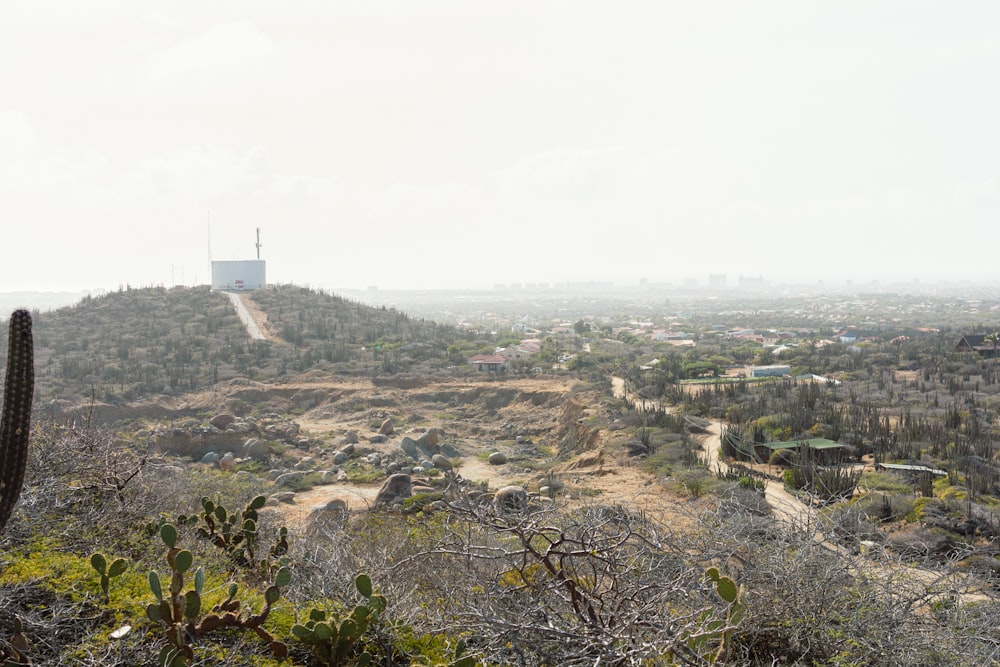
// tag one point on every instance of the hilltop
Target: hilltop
(139, 343)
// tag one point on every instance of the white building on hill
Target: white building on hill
(238, 275)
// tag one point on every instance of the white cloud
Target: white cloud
(221, 46)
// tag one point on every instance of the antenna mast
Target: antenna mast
(258, 243)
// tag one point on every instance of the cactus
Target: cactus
(333, 640)
(16, 422)
(712, 642)
(117, 568)
(236, 534)
(179, 611)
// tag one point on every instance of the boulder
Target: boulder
(395, 488)
(441, 462)
(429, 439)
(333, 510)
(339, 458)
(348, 449)
(256, 449)
(409, 447)
(386, 428)
(287, 497)
(511, 499)
(377, 439)
(351, 438)
(227, 462)
(497, 459)
(223, 421)
(210, 458)
(289, 478)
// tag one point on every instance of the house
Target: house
(977, 343)
(770, 371)
(911, 470)
(825, 451)
(488, 362)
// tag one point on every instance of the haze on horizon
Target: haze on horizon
(461, 144)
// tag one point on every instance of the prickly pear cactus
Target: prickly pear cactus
(16, 421)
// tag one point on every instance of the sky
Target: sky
(460, 144)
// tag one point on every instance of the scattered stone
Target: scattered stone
(511, 498)
(210, 458)
(289, 478)
(418, 489)
(386, 428)
(348, 449)
(227, 462)
(377, 439)
(303, 443)
(223, 421)
(342, 477)
(409, 447)
(256, 449)
(287, 497)
(333, 511)
(351, 438)
(429, 439)
(392, 468)
(497, 459)
(339, 458)
(394, 489)
(273, 474)
(441, 462)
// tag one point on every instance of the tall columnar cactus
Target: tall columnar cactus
(16, 421)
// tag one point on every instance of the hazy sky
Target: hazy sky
(433, 143)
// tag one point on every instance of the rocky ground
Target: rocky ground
(343, 437)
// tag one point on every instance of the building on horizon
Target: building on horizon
(239, 275)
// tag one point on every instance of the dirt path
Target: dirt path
(255, 331)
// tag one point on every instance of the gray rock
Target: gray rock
(210, 458)
(394, 489)
(348, 449)
(392, 468)
(386, 428)
(431, 436)
(441, 462)
(223, 421)
(306, 463)
(227, 462)
(287, 497)
(335, 511)
(339, 458)
(351, 438)
(511, 499)
(418, 489)
(449, 451)
(497, 459)
(341, 476)
(256, 449)
(377, 439)
(289, 478)
(409, 447)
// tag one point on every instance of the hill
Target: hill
(137, 343)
